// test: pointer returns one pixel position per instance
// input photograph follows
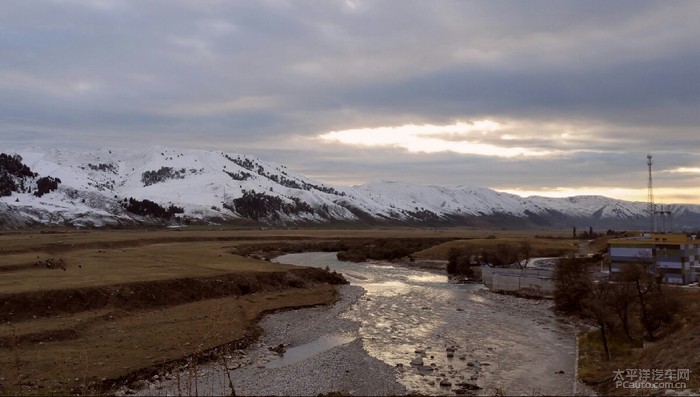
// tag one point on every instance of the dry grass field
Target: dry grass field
(541, 247)
(83, 310)
(86, 352)
(101, 267)
(61, 335)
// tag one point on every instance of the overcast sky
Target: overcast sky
(540, 97)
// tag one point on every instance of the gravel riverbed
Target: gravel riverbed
(345, 368)
(395, 331)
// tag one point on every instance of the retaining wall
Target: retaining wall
(504, 279)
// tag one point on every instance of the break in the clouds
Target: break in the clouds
(463, 138)
(539, 96)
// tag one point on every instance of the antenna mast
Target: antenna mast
(651, 208)
(665, 213)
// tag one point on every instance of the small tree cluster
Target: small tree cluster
(239, 176)
(505, 254)
(572, 279)
(45, 185)
(260, 205)
(636, 304)
(587, 234)
(103, 167)
(245, 162)
(149, 178)
(13, 174)
(385, 248)
(149, 208)
(423, 215)
(7, 185)
(12, 165)
(459, 261)
(321, 188)
(283, 180)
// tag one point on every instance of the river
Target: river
(416, 332)
(516, 345)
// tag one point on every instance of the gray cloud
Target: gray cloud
(621, 78)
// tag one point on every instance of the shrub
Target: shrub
(385, 249)
(45, 185)
(260, 205)
(12, 171)
(459, 262)
(149, 208)
(149, 178)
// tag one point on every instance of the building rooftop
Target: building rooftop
(652, 239)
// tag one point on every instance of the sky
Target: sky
(554, 98)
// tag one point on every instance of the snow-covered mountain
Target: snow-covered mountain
(170, 186)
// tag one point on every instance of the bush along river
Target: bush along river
(398, 330)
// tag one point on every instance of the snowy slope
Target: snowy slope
(224, 187)
(198, 181)
(442, 200)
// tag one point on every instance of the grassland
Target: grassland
(541, 247)
(122, 302)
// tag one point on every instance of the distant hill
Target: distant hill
(169, 187)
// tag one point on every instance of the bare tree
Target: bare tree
(572, 278)
(459, 260)
(509, 254)
(622, 301)
(596, 306)
(524, 254)
(655, 306)
(643, 280)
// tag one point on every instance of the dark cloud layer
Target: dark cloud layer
(597, 83)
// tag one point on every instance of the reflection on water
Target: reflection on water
(477, 298)
(355, 276)
(298, 353)
(379, 266)
(433, 330)
(427, 278)
(386, 288)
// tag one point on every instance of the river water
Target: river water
(517, 346)
(402, 330)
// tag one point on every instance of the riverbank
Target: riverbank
(340, 366)
(398, 331)
(326, 353)
(88, 320)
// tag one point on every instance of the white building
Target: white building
(677, 256)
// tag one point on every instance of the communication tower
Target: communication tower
(651, 208)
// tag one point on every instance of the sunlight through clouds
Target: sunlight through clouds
(663, 194)
(460, 137)
(686, 170)
(479, 92)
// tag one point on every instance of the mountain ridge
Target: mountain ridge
(113, 187)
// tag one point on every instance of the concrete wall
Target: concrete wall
(500, 279)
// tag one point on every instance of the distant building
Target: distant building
(677, 256)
